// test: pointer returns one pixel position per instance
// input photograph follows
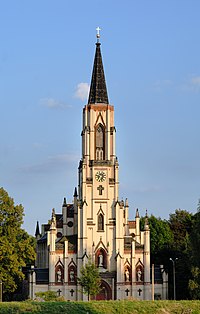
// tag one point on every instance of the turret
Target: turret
(64, 214)
(146, 223)
(37, 231)
(126, 208)
(52, 248)
(137, 226)
(53, 231)
(75, 211)
(147, 255)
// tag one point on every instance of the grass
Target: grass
(101, 307)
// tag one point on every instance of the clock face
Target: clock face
(100, 176)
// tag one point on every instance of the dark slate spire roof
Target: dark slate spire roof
(98, 91)
(37, 231)
(75, 192)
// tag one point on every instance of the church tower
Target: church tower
(96, 225)
(100, 215)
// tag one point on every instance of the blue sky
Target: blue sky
(151, 60)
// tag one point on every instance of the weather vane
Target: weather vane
(98, 33)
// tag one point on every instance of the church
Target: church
(96, 225)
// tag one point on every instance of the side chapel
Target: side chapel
(96, 224)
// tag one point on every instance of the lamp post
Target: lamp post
(174, 275)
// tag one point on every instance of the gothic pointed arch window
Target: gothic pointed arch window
(100, 222)
(99, 136)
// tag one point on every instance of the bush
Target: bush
(48, 296)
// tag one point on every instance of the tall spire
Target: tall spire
(98, 91)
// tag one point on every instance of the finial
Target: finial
(53, 215)
(146, 222)
(75, 192)
(137, 214)
(64, 201)
(98, 33)
(37, 231)
(53, 220)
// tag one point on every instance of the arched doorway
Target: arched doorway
(105, 292)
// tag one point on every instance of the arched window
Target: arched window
(99, 142)
(100, 222)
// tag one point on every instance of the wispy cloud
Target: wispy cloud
(192, 84)
(195, 83)
(82, 91)
(53, 103)
(160, 85)
(51, 164)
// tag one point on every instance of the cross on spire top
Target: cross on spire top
(98, 33)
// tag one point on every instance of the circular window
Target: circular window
(59, 235)
(70, 224)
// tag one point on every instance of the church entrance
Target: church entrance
(105, 292)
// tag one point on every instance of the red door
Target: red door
(105, 292)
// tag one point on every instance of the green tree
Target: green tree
(181, 223)
(17, 248)
(195, 238)
(194, 283)
(90, 279)
(161, 239)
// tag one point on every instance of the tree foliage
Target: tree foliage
(161, 239)
(181, 222)
(194, 283)
(194, 245)
(90, 279)
(172, 239)
(181, 225)
(17, 248)
(195, 240)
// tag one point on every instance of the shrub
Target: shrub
(48, 296)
